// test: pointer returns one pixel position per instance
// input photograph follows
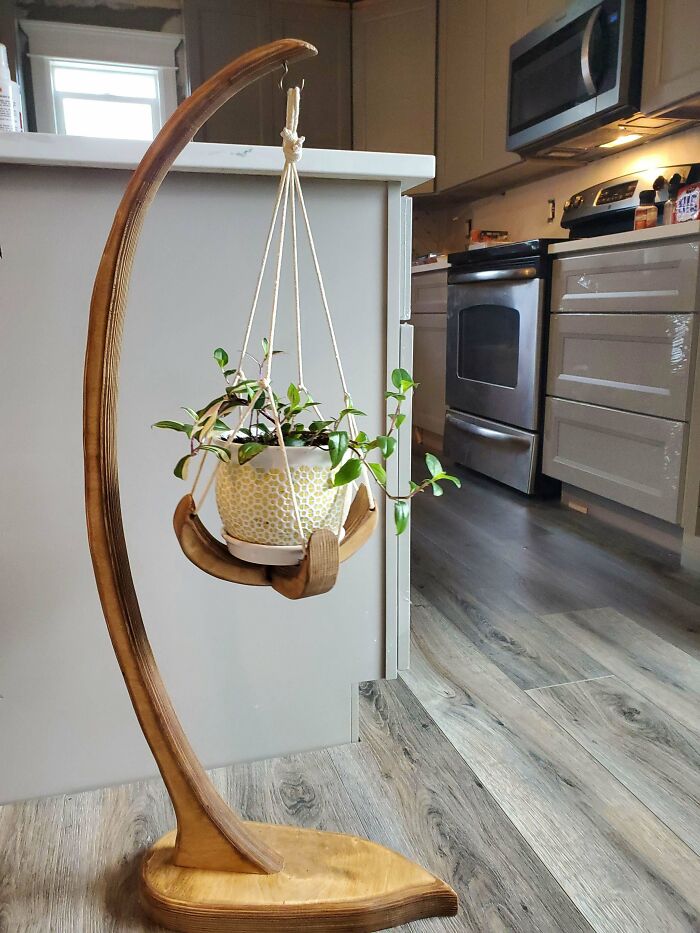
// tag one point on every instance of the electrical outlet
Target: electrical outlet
(551, 210)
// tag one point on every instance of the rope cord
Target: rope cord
(288, 193)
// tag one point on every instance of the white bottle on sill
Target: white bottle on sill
(7, 115)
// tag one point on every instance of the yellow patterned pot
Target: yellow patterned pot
(255, 502)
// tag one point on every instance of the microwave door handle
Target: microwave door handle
(586, 41)
(493, 275)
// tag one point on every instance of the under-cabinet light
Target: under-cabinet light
(621, 140)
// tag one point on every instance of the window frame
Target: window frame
(98, 45)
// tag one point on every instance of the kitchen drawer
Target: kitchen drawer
(637, 362)
(633, 459)
(647, 279)
(429, 292)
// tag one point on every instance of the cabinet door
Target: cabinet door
(671, 61)
(474, 50)
(394, 76)
(326, 101)
(429, 346)
(650, 279)
(461, 87)
(217, 31)
(632, 459)
(637, 362)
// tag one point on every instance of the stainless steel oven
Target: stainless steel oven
(496, 317)
(579, 71)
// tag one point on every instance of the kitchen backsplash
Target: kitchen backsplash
(523, 210)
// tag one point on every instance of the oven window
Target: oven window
(489, 344)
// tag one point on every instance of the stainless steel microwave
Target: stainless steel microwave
(577, 73)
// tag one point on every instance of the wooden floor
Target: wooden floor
(543, 753)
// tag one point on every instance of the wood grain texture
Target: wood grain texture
(209, 833)
(647, 751)
(531, 654)
(415, 793)
(517, 556)
(619, 864)
(217, 873)
(662, 673)
(330, 883)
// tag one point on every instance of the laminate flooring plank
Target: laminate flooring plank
(620, 865)
(661, 672)
(531, 654)
(563, 561)
(415, 793)
(646, 750)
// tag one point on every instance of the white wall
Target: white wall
(251, 674)
(523, 210)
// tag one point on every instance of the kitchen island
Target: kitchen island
(250, 674)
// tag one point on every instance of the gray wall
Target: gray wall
(251, 674)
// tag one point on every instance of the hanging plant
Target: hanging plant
(340, 453)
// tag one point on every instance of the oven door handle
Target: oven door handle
(487, 433)
(493, 275)
(589, 80)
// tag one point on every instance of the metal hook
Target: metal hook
(284, 76)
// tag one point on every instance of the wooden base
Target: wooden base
(330, 882)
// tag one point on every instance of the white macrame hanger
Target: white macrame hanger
(288, 193)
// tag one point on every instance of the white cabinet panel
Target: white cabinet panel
(671, 63)
(632, 459)
(637, 362)
(644, 279)
(429, 292)
(429, 370)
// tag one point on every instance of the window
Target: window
(95, 81)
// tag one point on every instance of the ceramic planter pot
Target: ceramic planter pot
(255, 502)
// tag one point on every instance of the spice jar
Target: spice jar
(646, 214)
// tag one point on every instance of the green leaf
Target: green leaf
(221, 357)
(348, 472)
(221, 452)
(293, 396)
(266, 346)
(379, 473)
(414, 487)
(399, 396)
(173, 426)
(337, 446)
(437, 488)
(433, 464)
(386, 444)
(182, 466)
(249, 450)
(402, 380)
(350, 411)
(220, 426)
(317, 426)
(361, 438)
(401, 513)
(192, 413)
(294, 441)
(453, 479)
(399, 420)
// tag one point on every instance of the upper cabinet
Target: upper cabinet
(475, 37)
(217, 31)
(671, 61)
(394, 75)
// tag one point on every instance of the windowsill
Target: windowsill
(86, 152)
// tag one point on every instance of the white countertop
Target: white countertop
(87, 152)
(690, 228)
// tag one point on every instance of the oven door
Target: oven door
(568, 72)
(494, 338)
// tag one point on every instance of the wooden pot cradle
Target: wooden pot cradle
(217, 872)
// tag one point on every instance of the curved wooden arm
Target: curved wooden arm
(209, 834)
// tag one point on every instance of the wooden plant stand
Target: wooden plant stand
(216, 872)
